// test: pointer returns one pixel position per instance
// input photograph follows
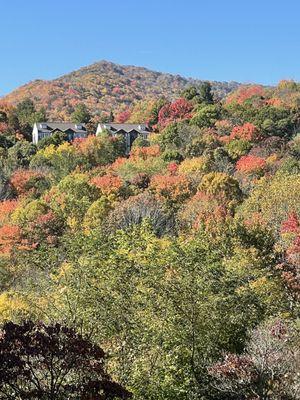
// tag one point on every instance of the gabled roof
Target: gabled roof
(61, 126)
(141, 128)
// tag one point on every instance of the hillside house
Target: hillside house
(72, 131)
(129, 131)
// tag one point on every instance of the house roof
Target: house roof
(61, 126)
(141, 128)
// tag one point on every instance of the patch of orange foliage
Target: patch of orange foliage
(247, 131)
(20, 178)
(108, 184)
(175, 188)
(275, 102)
(10, 235)
(145, 152)
(83, 145)
(119, 161)
(244, 93)
(248, 164)
(6, 208)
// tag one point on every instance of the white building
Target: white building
(72, 131)
(129, 131)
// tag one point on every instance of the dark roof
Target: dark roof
(61, 126)
(142, 128)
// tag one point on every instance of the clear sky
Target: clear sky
(241, 40)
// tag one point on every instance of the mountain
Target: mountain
(106, 86)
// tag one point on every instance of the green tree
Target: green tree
(206, 116)
(205, 93)
(81, 114)
(27, 114)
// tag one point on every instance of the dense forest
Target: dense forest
(182, 260)
(104, 87)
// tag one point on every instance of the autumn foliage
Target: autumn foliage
(246, 131)
(21, 178)
(244, 93)
(10, 236)
(6, 208)
(178, 110)
(145, 152)
(123, 116)
(250, 164)
(108, 184)
(176, 256)
(175, 188)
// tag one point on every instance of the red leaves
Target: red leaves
(117, 90)
(244, 93)
(10, 235)
(20, 179)
(247, 132)
(108, 184)
(178, 110)
(175, 188)
(249, 164)
(173, 168)
(291, 224)
(123, 116)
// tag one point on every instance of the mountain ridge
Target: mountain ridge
(104, 86)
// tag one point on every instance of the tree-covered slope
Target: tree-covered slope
(104, 86)
(181, 259)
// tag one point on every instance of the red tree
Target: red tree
(108, 184)
(20, 180)
(178, 110)
(250, 164)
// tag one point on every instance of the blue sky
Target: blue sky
(245, 40)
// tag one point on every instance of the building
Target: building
(72, 131)
(129, 131)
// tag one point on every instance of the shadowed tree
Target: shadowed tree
(42, 362)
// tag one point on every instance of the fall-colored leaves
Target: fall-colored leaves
(249, 164)
(21, 178)
(108, 184)
(173, 188)
(246, 92)
(246, 131)
(178, 110)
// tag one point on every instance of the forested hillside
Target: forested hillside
(105, 87)
(182, 261)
